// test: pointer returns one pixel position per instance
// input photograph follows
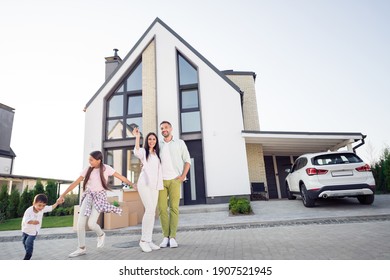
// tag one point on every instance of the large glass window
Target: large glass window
(134, 82)
(188, 74)
(115, 106)
(124, 162)
(189, 99)
(124, 107)
(189, 96)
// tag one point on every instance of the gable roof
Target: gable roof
(159, 21)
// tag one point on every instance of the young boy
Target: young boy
(32, 221)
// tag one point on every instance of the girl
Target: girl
(149, 184)
(94, 199)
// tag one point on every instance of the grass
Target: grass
(48, 222)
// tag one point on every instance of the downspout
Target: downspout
(361, 144)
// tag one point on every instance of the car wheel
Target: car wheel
(307, 201)
(289, 195)
(366, 199)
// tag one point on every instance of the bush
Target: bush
(70, 200)
(51, 192)
(14, 200)
(239, 206)
(4, 201)
(26, 200)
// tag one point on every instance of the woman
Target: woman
(94, 199)
(149, 184)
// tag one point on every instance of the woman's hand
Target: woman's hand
(136, 132)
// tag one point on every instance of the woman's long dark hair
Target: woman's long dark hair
(96, 155)
(156, 148)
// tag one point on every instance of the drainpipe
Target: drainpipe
(361, 144)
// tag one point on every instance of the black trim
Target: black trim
(305, 133)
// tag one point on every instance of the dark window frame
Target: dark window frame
(187, 87)
(126, 95)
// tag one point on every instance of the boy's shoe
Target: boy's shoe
(173, 243)
(165, 242)
(78, 252)
(100, 240)
(145, 246)
(154, 246)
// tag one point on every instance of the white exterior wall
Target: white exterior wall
(226, 168)
(5, 165)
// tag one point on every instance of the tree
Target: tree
(51, 192)
(381, 172)
(4, 201)
(26, 200)
(14, 200)
(38, 188)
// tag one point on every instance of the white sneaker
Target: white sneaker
(154, 246)
(100, 240)
(78, 252)
(145, 246)
(173, 243)
(164, 243)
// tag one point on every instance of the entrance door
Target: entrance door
(194, 187)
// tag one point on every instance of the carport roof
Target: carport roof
(283, 143)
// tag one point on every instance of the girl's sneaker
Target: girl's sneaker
(154, 246)
(78, 252)
(145, 246)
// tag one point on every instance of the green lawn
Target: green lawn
(48, 222)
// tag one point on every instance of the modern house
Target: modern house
(7, 157)
(215, 112)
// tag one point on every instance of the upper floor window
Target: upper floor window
(124, 107)
(189, 96)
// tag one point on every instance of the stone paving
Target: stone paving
(278, 230)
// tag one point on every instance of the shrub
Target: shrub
(4, 200)
(239, 206)
(14, 200)
(70, 200)
(26, 200)
(38, 188)
(51, 192)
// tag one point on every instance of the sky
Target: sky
(321, 66)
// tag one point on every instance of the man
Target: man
(175, 161)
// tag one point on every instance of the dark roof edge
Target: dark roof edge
(305, 133)
(181, 40)
(240, 73)
(121, 63)
(8, 108)
(208, 63)
(9, 153)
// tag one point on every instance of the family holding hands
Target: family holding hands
(165, 165)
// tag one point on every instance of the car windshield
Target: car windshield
(328, 159)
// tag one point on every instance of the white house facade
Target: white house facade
(213, 111)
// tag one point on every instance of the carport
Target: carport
(281, 148)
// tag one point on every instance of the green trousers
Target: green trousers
(169, 197)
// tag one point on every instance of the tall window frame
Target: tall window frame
(190, 119)
(124, 106)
